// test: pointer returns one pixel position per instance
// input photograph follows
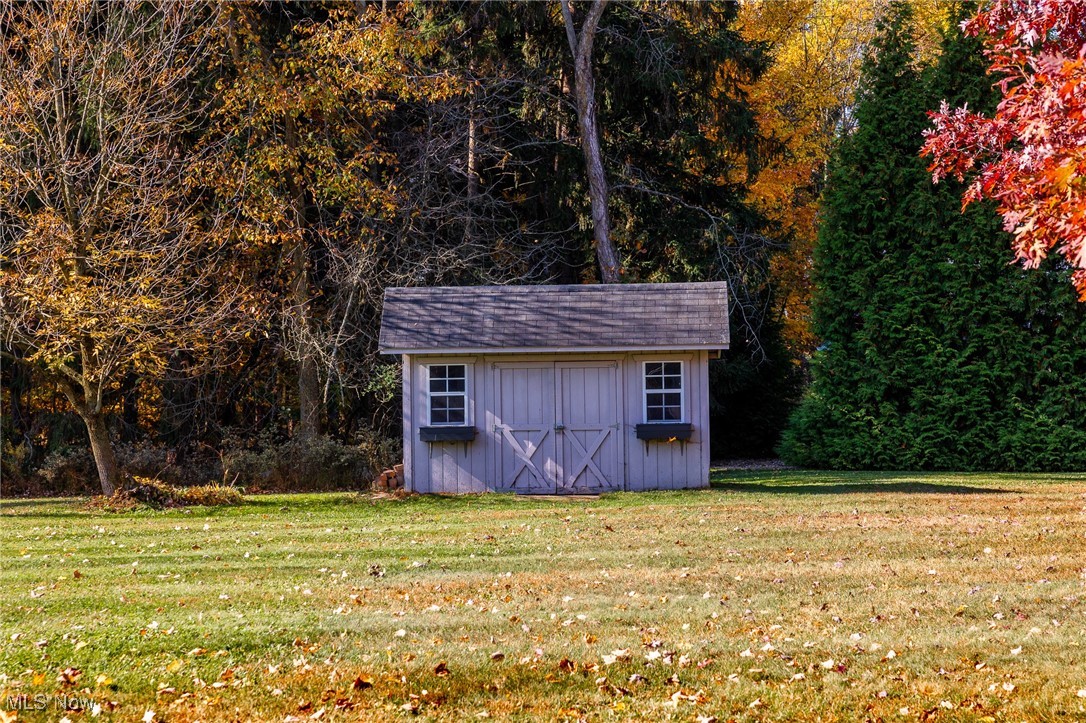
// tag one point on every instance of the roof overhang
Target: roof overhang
(551, 351)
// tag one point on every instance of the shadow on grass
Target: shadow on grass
(842, 488)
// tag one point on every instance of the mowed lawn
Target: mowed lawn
(772, 596)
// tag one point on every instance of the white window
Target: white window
(663, 391)
(448, 394)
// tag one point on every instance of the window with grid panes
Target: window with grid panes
(663, 391)
(448, 394)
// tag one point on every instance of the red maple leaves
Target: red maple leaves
(1030, 157)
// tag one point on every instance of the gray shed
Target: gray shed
(555, 389)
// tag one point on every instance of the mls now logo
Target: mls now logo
(41, 701)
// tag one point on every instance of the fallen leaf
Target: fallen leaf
(441, 670)
(68, 676)
(361, 683)
(617, 656)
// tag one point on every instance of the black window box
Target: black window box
(446, 434)
(681, 431)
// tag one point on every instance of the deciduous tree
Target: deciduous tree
(107, 264)
(305, 99)
(1030, 154)
(804, 104)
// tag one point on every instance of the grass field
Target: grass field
(773, 596)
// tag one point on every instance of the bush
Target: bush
(68, 471)
(14, 461)
(144, 459)
(315, 464)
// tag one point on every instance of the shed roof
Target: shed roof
(590, 317)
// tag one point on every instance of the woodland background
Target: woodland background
(201, 205)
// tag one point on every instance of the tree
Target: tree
(580, 45)
(1030, 154)
(305, 101)
(936, 353)
(804, 105)
(107, 263)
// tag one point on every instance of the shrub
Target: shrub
(315, 464)
(14, 461)
(145, 459)
(68, 471)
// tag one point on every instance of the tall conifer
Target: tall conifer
(938, 353)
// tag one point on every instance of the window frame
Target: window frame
(466, 394)
(645, 391)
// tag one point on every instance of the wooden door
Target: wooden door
(588, 417)
(524, 425)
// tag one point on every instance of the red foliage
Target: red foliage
(1030, 157)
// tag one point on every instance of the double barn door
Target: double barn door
(559, 427)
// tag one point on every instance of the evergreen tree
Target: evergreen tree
(937, 353)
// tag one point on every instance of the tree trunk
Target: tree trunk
(309, 383)
(86, 399)
(104, 460)
(472, 174)
(585, 89)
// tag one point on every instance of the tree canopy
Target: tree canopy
(936, 353)
(1029, 155)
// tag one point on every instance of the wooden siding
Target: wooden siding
(519, 397)
(661, 465)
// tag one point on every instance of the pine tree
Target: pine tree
(937, 352)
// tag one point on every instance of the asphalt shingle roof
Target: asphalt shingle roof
(590, 316)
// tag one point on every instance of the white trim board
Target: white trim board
(550, 350)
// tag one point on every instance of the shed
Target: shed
(555, 389)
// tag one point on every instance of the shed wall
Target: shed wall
(478, 466)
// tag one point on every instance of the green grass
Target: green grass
(977, 583)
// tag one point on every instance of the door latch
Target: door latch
(559, 427)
